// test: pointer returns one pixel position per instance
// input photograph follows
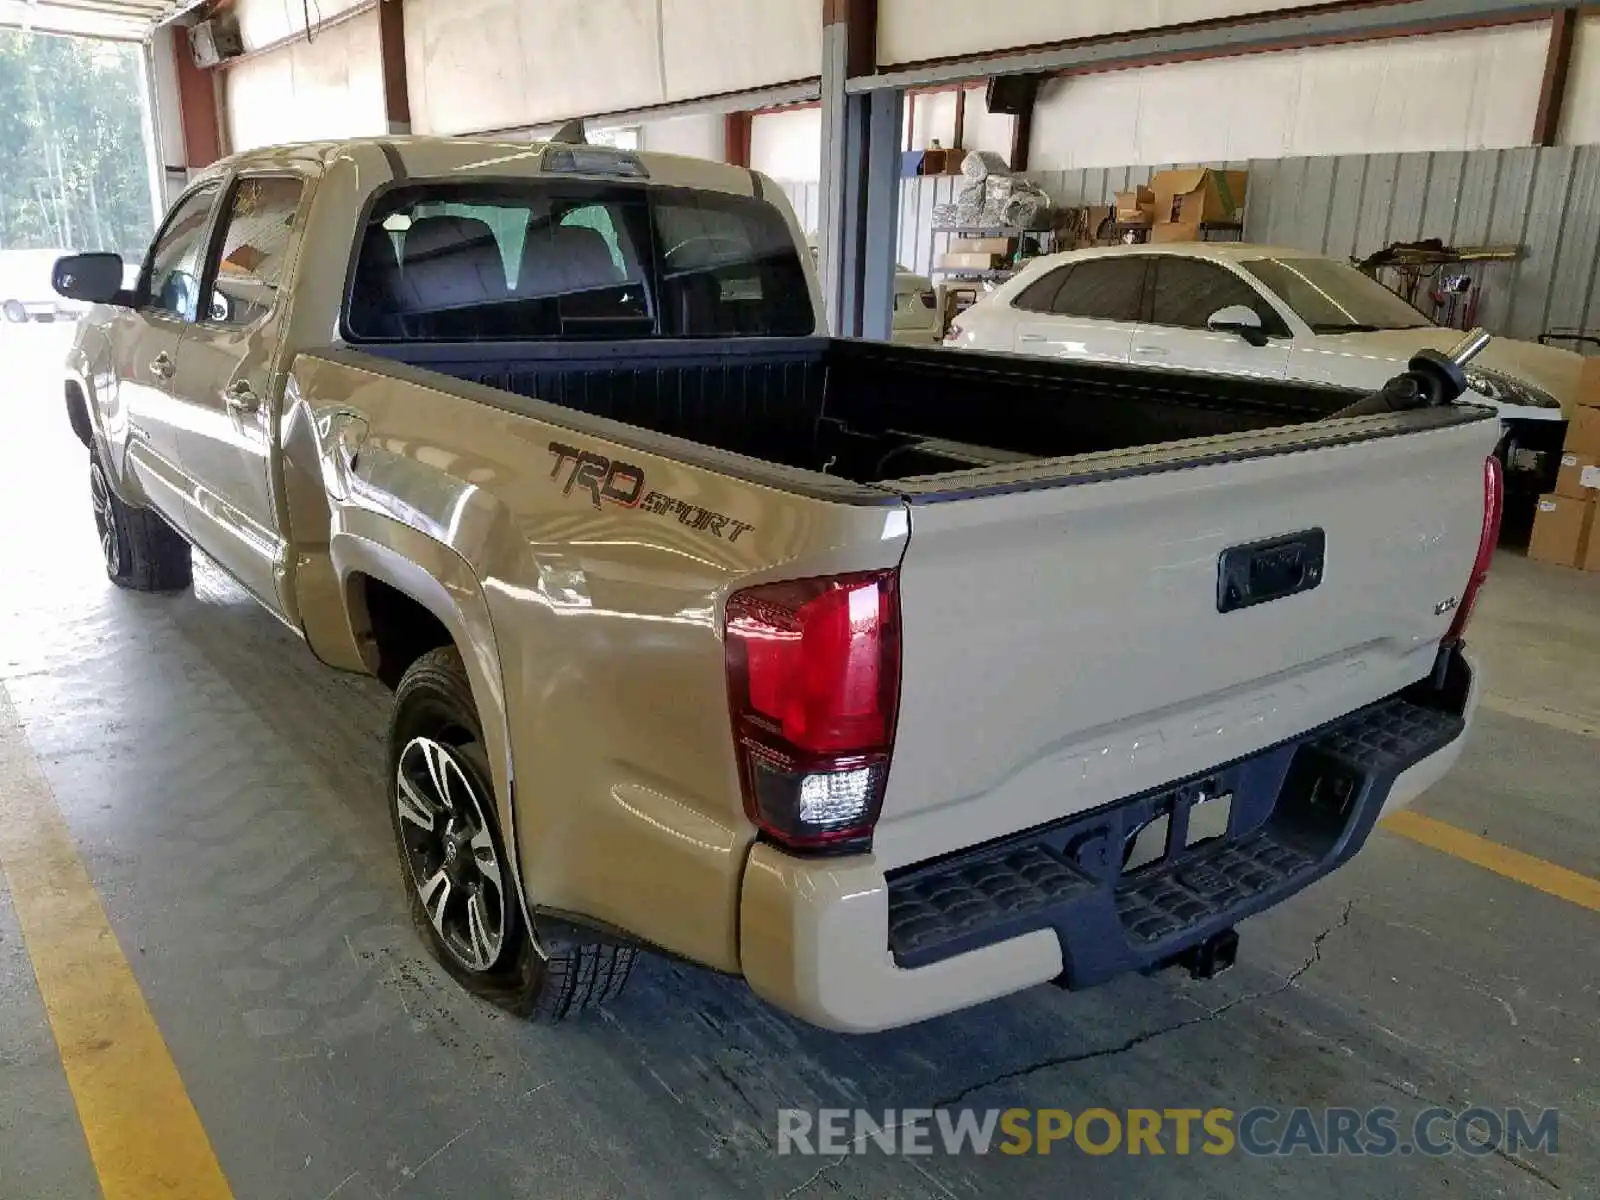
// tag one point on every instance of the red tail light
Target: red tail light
(814, 687)
(1494, 497)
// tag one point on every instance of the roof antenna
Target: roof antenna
(571, 134)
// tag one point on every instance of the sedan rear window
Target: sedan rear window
(572, 259)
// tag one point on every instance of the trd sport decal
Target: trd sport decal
(623, 484)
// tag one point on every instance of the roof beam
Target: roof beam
(392, 52)
(736, 128)
(1353, 21)
(197, 105)
(860, 19)
(1022, 135)
(1553, 87)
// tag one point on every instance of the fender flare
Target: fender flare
(86, 413)
(78, 412)
(444, 583)
(81, 408)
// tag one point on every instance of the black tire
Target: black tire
(436, 743)
(141, 551)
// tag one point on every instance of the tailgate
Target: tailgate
(1064, 644)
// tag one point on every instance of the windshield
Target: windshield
(1333, 297)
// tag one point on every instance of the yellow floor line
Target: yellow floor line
(144, 1135)
(1502, 860)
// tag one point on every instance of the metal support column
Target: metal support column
(875, 263)
(857, 158)
(864, 200)
(830, 218)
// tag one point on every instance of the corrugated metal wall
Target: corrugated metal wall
(806, 200)
(1546, 201)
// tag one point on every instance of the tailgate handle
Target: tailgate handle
(1270, 570)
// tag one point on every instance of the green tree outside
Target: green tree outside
(73, 169)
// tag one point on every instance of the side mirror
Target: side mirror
(1236, 318)
(94, 278)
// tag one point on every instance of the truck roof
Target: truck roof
(428, 157)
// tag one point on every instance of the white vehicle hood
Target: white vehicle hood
(1546, 367)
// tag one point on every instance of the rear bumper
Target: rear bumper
(844, 946)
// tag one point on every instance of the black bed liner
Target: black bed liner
(873, 411)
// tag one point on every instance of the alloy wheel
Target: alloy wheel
(451, 853)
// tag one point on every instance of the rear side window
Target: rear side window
(1105, 289)
(1187, 291)
(255, 250)
(571, 259)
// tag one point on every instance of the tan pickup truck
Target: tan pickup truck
(890, 679)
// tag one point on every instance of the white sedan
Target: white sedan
(1233, 308)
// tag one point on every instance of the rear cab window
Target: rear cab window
(573, 259)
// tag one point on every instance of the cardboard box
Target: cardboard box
(1137, 207)
(970, 262)
(1171, 232)
(1561, 530)
(1583, 432)
(1192, 198)
(1589, 383)
(1591, 555)
(999, 245)
(1579, 476)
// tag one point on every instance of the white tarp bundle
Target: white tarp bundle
(994, 198)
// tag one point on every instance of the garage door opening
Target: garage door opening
(75, 161)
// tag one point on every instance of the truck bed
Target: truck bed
(868, 411)
(1250, 571)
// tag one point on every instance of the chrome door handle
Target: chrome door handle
(241, 398)
(162, 366)
(1030, 337)
(1150, 351)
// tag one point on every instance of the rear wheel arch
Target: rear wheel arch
(400, 610)
(394, 628)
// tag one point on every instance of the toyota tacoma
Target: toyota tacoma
(891, 679)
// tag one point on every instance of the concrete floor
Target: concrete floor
(224, 793)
